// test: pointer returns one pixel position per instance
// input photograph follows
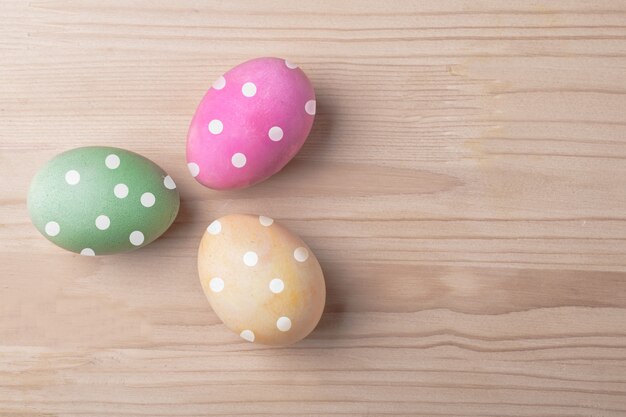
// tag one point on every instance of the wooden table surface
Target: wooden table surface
(464, 188)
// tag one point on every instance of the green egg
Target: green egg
(100, 200)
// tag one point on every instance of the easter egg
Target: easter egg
(101, 200)
(250, 123)
(262, 281)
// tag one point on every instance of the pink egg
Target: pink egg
(250, 123)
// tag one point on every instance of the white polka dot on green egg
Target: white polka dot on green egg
(120, 190)
(102, 200)
(169, 183)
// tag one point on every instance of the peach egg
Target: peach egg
(262, 280)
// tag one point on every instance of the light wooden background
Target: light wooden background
(464, 189)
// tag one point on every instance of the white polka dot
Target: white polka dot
(103, 222)
(283, 324)
(216, 126)
(147, 199)
(215, 227)
(216, 284)
(194, 169)
(248, 89)
(309, 107)
(238, 160)
(219, 83)
(247, 335)
(72, 177)
(52, 228)
(250, 258)
(275, 133)
(266, 221)
(120, 190)
(277, 285)
(169, 183)
(301, 254)
(87, 252)
(290, 65)
(112, 161)
(136, 238)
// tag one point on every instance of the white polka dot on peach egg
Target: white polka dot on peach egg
(250, 258)
(283, 324)
(215, 227)
(266, 221)
(247, 335)
(277, 285)
(216, 284)
(301, 254)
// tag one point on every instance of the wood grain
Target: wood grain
(464, 189)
